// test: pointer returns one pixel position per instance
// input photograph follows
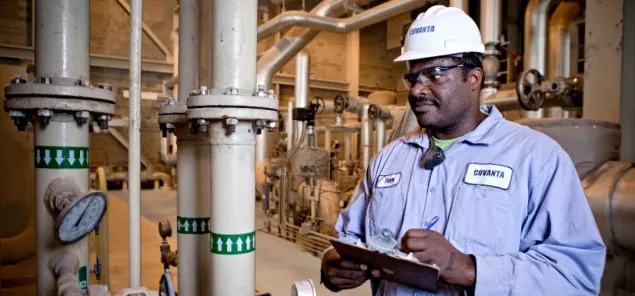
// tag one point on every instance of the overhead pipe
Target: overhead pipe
(134, 135)
(289, 45)
(271, 62)
(369, 17)
(560, 46)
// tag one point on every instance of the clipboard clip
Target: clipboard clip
(384, 242)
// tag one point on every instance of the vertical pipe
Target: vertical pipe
(232, 160)
(302, 70)
(365, 136)
(62, 51)
(461, 4)
(491, 15)
(380, 126)
(193, 157)
(193, 207)
(348, 143)
(204, 43)
(559, 62)
(53, 141)
(134, 149)
(62, 45)
(535, 49)
(289, 123)
(327, 139)
(188, 47)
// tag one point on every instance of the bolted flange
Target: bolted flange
(232, 102)
(48, 95)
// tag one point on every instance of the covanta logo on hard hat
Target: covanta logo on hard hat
(441, 31)
(423, 29)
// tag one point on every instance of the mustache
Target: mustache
(422, 100)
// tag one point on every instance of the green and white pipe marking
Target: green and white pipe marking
(55, 157)
(232, 244)
(192, 225)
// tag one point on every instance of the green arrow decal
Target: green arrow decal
(82, 277)
(232, 244)
(54, 157)
(192, 225)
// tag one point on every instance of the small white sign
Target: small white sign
(388, 180)
(493, 175)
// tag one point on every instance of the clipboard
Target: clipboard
(399, 270)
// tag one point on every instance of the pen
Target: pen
(431, 223)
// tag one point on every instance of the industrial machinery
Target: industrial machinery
(227, 122)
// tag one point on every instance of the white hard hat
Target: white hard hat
(441, 31)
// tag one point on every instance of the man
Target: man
(496, 205)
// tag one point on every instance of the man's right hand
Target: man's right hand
(342, 274)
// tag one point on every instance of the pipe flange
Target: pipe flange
(59, 97)
(173, 114)
(243, 107)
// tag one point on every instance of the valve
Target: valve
(534, 92)
(528, 88)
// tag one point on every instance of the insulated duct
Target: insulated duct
(369, 17)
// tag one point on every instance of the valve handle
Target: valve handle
(528, 90)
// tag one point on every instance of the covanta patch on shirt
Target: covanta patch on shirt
(493, 175)
(388, 180)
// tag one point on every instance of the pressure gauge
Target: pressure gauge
(80, 217)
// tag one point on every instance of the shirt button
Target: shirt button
(432, 190)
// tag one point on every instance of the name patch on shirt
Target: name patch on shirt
(493, 175)
(388, 180)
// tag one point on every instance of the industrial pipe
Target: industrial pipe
(193, 213)
(461, 4)
(289, 127)
(272, 61)
(166, 157)
(491, 18)
(134, 135)
(365, 136)
(380, 129)
(233, 148)
(193, 164)
(535, 57)
(366, 18)
(62, 53)
(302, 72)
(560, 46)
(64, 265)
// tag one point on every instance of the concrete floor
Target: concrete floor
(278, 262)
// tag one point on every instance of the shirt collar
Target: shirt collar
(479, 136)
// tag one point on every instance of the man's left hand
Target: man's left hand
(432, 248)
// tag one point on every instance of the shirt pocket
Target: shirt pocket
(480, 218)
(386, 209)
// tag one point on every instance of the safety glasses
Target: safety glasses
(430, 75)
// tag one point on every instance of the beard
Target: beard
(429, 112)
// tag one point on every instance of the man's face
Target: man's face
(445, 98)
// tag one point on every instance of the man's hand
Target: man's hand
(343, 274)
(432, 248)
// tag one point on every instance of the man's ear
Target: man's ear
(475, 78)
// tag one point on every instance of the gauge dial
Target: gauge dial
(80, 218)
